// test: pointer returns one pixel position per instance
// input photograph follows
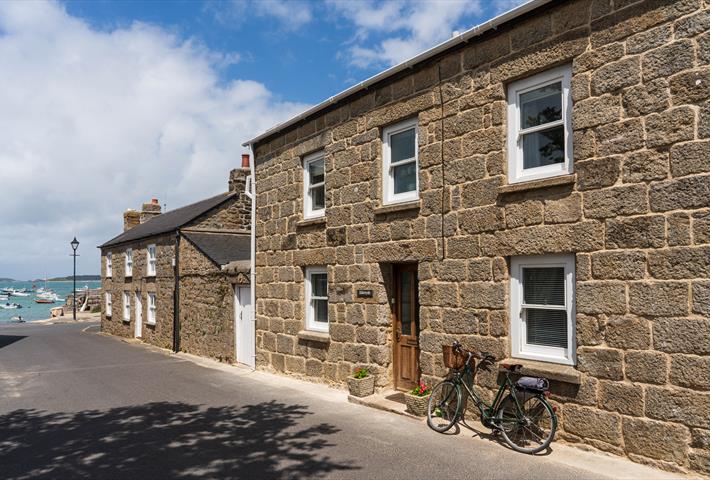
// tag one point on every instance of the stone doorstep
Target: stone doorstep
(380, 401)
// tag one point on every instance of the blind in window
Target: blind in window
(544, 286)
(546, 327)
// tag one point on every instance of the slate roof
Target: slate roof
(221, 248)
(169, 221)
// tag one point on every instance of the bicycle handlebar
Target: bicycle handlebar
(484, 356)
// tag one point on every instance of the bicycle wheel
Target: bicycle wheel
(443, 406)
(531, 429)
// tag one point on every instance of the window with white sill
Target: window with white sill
(109, 265)
(126, 306)
(151, 261)
(317, 299)
(129, 263)
(542, 312)
(151, 309)
(400, 162)
(108, 304)
(540, 126)
(314, 185)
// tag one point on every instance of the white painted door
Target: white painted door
(244, 326)
(139, 315)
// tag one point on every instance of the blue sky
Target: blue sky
(107, 104)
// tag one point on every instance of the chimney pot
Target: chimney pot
(245, 160)
(154, 201)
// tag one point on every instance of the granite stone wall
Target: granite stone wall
(635, 214)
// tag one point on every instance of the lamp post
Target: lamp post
(74, 245)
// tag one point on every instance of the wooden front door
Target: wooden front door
(406, 327)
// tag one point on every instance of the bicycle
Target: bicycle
(524, 417)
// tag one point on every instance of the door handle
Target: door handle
(398, 335)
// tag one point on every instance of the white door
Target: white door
(244, 326)
(139, 315)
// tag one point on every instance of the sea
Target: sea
(39, 311)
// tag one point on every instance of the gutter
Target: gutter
(250, 191)
(465, 37)
(176, 295)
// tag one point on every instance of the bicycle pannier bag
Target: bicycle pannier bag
(533, 383)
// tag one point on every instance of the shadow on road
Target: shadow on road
(6, 340)
(166, 440)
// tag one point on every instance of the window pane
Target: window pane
(318, 198)
(320, 310)
(544, 286)
(542, 105)
(406, 303)
(319, 285)
(405, 178)
(546, 147)
(547, 327)
(402, 145)
(316, 171)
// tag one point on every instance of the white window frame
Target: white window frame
(516, 173)
(518, 331)
(151, 260)
(126, 306)
(109, 265)
(152, 308)
(129, 262)
(311, 324)
(388, 195)
(107, 299)
(308, 211)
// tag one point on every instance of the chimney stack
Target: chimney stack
(150, 210)
(131, 218)
(238, 176)
(245, 160)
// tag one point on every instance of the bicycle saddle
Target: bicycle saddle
(511, 368)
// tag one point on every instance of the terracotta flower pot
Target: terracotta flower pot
(362, 387)
(416, 405)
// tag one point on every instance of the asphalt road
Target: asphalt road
(78, 404)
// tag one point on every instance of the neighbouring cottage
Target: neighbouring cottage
(198, 254)
(538, 188)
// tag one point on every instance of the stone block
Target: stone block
(626, 265)
(525, 213)
(692, 157)
(532, 31)
(678, 405)
(355, 353)
(440, 294)
(659, 440)
(463, 321)
(680, 263)
(615, 201)
(482, 192)
(598, 173)
(295, 364)
(564, 210)
(678, 229)
(628, 333)
(481, 219)
(623, 397)
(589, 422)
(667, 60)
(682, 335)
(596, 111)
(646, 367)
(285, 344)
(479, 270)
(462, 247)
(601, 362)
(620, 137)
(601, 297)
(341, 332)
(482, 295)
(690, 371)
(598, 57)
(636, 232)
(644, 166)
(615, 75)
(701, 297)
(691, 86)
(590, 331)
(683, 193)
(649, 39)
(533, 240)
(671, 126)
(314, 368)
(647, 98)
(658, 298)
(693, 25)
(380, 354)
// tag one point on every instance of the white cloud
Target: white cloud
(408, 27)
(290, 14)
(94, 122)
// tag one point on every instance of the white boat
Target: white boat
(20, 294)
(9, 306)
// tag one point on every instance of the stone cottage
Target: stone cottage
(537, 187)
(193, 260)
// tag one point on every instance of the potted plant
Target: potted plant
(417, 399)
(361, 383)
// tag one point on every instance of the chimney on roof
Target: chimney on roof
(238, 176)
(131, 218)
(150, 210)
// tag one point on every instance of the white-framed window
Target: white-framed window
(150, 265)
(107, 297)
(542, 312)
(400, 162)
(317, 299)
(126, 306)
(314, 185)
(540, 126)
(151, 309)
(109, 265)
(129, 262)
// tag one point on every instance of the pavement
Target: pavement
(78, 404)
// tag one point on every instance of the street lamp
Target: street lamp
(74, 245)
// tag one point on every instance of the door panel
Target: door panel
(406, 327)
(139, 315)
(246, 340)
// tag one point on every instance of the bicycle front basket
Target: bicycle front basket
(453, 359)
